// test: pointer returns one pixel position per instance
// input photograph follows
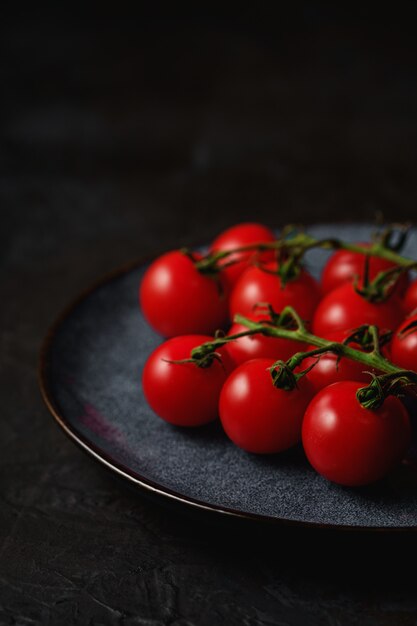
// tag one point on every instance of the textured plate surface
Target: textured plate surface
(90, 377)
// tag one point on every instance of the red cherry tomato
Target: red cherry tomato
(404, 345)
(239, 236)
(184, 394)
(260, 346)
(327, 370)
(257, 416)
(343, 308)
(176, 299)
(349, 444)
(260, 285)
(410, 298)
(344, 265)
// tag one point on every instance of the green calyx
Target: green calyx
(283, 376)
(373, 395)
(381, 287)
(386, 244)
(369, 338)
(287, 269)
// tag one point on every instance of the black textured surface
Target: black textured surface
(95, 362)
(120, 136)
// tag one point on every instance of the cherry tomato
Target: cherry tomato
(257, 416)
(176, 299)
(404, 354)
(184, 394)
(344, 265)
(349, 444)
(260, 346)
(327, 370)
(343, 308)
(404, 345)
(239, 236)
(260, 285)
(410, 298)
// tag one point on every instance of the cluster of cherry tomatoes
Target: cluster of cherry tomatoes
(187, 300)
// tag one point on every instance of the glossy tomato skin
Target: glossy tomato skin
(257, 416)
(176, 299)
(239, 236)
(351, 445)
(404, 345)
(410, 298)
(259, 285)
(343, 308)
(183, 393)
(260, 346)
(344, 265)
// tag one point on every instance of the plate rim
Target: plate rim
(140, 481)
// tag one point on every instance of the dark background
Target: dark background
(123, 134)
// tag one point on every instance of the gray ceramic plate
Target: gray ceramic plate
(90, 377)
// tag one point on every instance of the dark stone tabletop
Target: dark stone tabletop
(126, 134)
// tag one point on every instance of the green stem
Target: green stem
(374, 360)
(205, 349)
(283, 373)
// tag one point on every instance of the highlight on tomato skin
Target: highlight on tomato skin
(351, 445)
(262, 284)
(184, 394)
(238, 236)
(257, 416)
(177, 299)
